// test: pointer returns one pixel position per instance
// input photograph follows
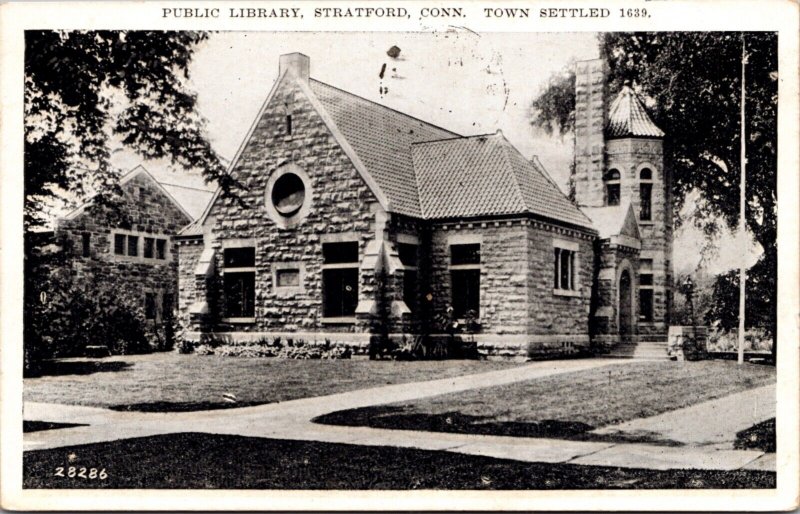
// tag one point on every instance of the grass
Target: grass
(760, 436)
(172, 382)
(567, 405)
(207, 461)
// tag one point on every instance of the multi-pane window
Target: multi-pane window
(239, 279)
(646, 195)
(612, 182)
(646, 290)
(140, 246)
(564, 275)
(465, 279)
(86, 242)
(339, 279)
(408, 257)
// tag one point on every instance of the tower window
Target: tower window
(646, 195)
(289, 124)
(612, 182)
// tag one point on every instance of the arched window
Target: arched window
(611, 181)
(646, 194)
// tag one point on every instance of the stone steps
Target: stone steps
(650, 350)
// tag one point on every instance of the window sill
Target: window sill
(239, 320)
(567, 292)
(344, 320)
(647, 223)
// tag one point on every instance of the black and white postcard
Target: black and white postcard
(399, 255)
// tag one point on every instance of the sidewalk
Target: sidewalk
(291, 420)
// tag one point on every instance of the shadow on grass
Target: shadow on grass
(398, 418)
(61, 368)
(236, 462)
(760, 436)
(38, 426)
(180, 406)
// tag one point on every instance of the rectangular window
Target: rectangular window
(645, 195)
(465, 279)
(461, 254)
(564, 269)
(150, 306)
(407, 253)
(149, 244)
(240, 257)
(408, 257)
(466, 292)
(340, 253)
(339, 279)
(645, 289)
(613, 194)
(339, 292)
(161, 249)
(133, 246)
(86, 244)
(287, 277)
(240, 294)
(645, 305)
(119, 244)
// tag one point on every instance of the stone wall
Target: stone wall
(341, 204)
(590, 120)
(630, 156)
(145, 211)
(611, 260)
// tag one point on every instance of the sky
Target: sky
(463, 81)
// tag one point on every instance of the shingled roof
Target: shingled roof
(382, 138)
(485, 176)
(627, 117)
(420, 170)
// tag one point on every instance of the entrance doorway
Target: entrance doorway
(625, 306)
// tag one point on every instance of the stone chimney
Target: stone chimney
(590, 122)
(295, 63)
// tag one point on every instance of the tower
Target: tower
(619, 160)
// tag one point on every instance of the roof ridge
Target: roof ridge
(444, 140)
(406, 115)
(505, 144)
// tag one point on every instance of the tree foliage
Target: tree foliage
(84, 88)
(694, 82)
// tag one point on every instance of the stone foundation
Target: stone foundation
(491, 346)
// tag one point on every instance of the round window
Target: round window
(288, 194)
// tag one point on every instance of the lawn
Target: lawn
(194, 460)
(171, 382)
(567, 405)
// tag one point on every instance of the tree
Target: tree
(84, 91)
(85, 88)
(694, 81)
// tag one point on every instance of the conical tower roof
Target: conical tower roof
(628, 117)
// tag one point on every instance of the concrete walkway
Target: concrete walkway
(291, 420)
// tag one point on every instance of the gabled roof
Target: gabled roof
(484, 176)
(627, 117)
(420, 170)
(187, 192)
(382, 138)
(616, 220)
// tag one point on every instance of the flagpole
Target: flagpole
(743, 165)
